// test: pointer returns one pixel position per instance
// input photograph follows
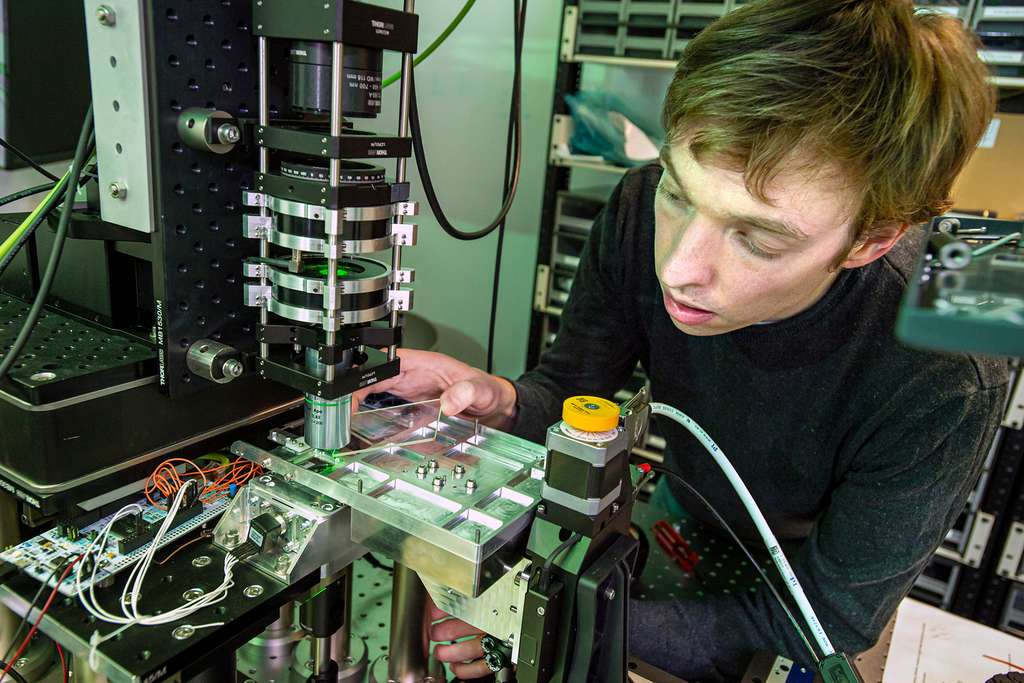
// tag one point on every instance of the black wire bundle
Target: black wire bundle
(27, 192)
(27, 159)
(47, 209)
(513, 116)
(513, 169)
(424, 171)
(85, 139)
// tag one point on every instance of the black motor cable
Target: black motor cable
(32, 317)
(519, 12)
(424, 171)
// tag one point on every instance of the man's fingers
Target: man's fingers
(458, 397)
(468, 672)
(459, 652)
(436, 613)
(452, 629)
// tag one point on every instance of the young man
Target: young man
(756, 273)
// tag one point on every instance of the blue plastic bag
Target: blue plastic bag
(600, 129)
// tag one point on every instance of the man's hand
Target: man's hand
(466, 657)
(463, 389)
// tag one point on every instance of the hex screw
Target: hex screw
(106, 15)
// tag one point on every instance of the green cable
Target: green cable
(434, 45)
(16, 235)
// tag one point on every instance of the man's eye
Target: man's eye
(755, 250)
(671, 196)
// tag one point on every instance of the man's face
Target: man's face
(727, 260)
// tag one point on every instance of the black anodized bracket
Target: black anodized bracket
(285, 371)
(347, 21)
(349, 338)
(353, 145)
(199, 54)
(316, 192)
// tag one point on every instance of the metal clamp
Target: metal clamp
(257, 227)
(400, 299)
(257, 199)
(255, 294)
(407, 208)
(1013, 551)
(254, 269)
(404, 276)
(977, 541)
(404, 234)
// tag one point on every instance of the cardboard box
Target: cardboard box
(992, 179)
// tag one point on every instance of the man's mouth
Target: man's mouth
(687, 314)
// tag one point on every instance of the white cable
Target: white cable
(778, 557)
(131, 614)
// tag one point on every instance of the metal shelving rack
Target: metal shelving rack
(650, 34)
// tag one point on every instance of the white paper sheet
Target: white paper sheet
(932, 646)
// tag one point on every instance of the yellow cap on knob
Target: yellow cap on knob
(590, 413)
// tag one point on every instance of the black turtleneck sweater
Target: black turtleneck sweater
(860, 451)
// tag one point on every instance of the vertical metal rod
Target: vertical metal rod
(407, 658)
(333, 181)
(264, 120)
(322, 645)
(401, 169)
(341, 639)
(322, 655)
(10, 534)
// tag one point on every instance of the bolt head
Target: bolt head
(253, 591)
(193, 594)
(228, 133)
(106, 15)
(540, 611)
(233, 368)
(183, 632)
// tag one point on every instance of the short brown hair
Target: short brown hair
(896, 98)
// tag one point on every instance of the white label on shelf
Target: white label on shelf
(991, 12)
(988, 141)
(1001, 56)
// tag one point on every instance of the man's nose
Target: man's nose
(694, 253)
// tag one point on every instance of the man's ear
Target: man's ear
(875, 247)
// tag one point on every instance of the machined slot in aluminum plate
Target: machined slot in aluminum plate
(442, 496)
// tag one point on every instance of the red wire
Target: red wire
(63, 662)
(35, 626)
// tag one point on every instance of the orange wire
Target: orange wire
(167, 480)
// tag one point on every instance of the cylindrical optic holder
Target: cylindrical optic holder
(324, 308)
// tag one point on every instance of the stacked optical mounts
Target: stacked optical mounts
(325, 202)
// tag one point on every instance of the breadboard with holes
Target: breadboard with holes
(39, 556)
